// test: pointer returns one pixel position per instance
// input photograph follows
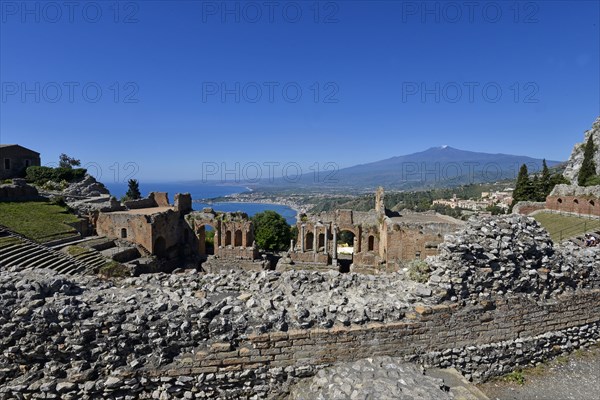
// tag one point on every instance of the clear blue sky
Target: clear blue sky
(377, 67)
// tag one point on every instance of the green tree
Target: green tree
(64, 161)
(524, 190)
(588, 167)
(133, 190)
(545, 181)
(271, 231)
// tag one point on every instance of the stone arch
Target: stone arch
(123, 233)
(237, 240)
(228, 238)
(308, 241)
(160, 247)
(371, 243)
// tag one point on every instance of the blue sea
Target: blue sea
(200, 191)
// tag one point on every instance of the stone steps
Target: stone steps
(20, 252)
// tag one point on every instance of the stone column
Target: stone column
(334, 259)
(315, 241)
(302, 241)
(326, 239)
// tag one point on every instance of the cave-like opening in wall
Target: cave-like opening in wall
(160, 247)
(308, 243)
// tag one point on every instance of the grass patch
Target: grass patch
(40, 221)
(76, 250)
(562, 227)
(8, 241)
(515, 377)
(113, 269)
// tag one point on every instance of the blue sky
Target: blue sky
(180, 81)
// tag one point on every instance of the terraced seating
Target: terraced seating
(580, 240)
(22, 253)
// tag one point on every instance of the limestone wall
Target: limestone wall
(482, 341)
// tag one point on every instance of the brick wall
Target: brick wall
(425, 333)
(574, 204)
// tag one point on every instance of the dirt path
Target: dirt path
(573, 377)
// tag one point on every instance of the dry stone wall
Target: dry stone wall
(245, 334)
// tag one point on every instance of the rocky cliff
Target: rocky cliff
(576, 159)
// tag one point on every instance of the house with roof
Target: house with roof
(14, 159)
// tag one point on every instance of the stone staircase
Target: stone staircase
(17, 251)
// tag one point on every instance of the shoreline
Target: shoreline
(294, 207)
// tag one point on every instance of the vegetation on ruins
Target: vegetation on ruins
(271, 231)
(113, 269)
(587, 173)
(133, 190)
(42, 175)
(419, 271)
(40, 221)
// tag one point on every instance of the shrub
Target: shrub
(41, 175)
(113, 269)
(419, 271)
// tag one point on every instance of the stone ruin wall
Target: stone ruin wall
(480, 341)
(574, 204)
(408, 242)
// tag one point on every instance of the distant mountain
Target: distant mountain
(436, 167)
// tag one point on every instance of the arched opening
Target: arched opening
(308, 244)
(237, 242)
(160, 247)
(371, 244)
(592, 203)
(345, 250)
(249, 239)
(321, 241)
(123, 233)
(559, 201)
(576, 201)
(228, 238)
(206, 240)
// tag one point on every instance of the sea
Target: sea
(205, 191)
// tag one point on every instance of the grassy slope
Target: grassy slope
(570, 226)
(39, 221)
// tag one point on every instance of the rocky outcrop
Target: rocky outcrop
(577, 191)
(509, 255)
(379, 378)
(576, 159)
(18, 190)
(87, 187)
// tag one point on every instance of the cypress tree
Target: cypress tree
(133, 191)
(524, 188)
(588, 167)
(545, 181)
